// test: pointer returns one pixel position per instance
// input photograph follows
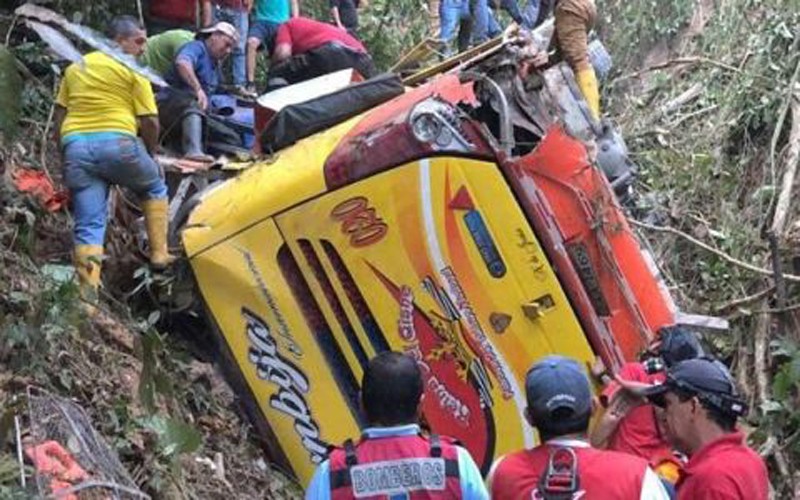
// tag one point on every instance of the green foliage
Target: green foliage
(786, 383)
(9, 479)
(392, 27)
(707, 158)
(387, 27)
(10, 89)
(174, 437)
(708, 169)
(155, 380)
(781, 417)
(49, 315)
(635, 27)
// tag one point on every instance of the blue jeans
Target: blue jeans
(95, 160)
(480, 21)
(494, 27)
(525, 17)
(530, 13)
(452, 13)
(239, 20)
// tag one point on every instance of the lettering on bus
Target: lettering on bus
(359, 221)
(292, 384)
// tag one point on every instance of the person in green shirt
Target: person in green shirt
(161, 49)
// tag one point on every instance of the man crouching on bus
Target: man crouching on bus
(391, 394)
(565, 465)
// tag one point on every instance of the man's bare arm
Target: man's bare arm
(186, 71)
(282, 52)
(336, 19)
(621, 403)
(148, 130)
(59, 114)
(295, 8)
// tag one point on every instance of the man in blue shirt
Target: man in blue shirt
(237, 13)
(392, 451)
(192, 78)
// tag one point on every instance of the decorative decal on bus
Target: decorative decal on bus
(359, 221)
(480, 341)
(447, 401)
(292, 384)
(283, 327)
(457, 385)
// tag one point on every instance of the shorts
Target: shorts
(265, 32)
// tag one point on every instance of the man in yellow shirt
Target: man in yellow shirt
(100, 109)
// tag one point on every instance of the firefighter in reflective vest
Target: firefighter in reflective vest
(393, 460)
(565, 466)
(632, 428)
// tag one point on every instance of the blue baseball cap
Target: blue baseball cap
(558, 387)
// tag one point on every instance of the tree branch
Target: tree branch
(743, 301)
(724, 256)
(683, 60)
(792, 159)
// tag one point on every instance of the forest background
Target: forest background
(706, 93)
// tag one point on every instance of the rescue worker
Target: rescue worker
(193, 77)
(629, 427)
(574, 20)
(100, 108)
(325, 48)
(700, 406)
(559, 401)
(391, 395)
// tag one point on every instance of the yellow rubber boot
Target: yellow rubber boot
(587, 82)
(87, 265)
(155, 217)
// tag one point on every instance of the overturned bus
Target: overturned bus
(464, 221)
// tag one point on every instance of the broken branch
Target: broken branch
(724, 256)
(679, 61)
(743, 301)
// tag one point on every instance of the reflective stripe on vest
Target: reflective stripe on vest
(412, 465)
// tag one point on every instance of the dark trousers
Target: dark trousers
(322, 60)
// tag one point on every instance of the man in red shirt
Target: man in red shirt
(322, 48)
(630, 427)
(700, 407)
(565, 465)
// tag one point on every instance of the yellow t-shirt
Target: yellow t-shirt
(104, 96)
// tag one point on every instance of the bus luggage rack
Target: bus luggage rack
(71, 459)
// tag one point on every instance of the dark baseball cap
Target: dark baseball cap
(678, 343)
(558, 387)
(705, 377)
